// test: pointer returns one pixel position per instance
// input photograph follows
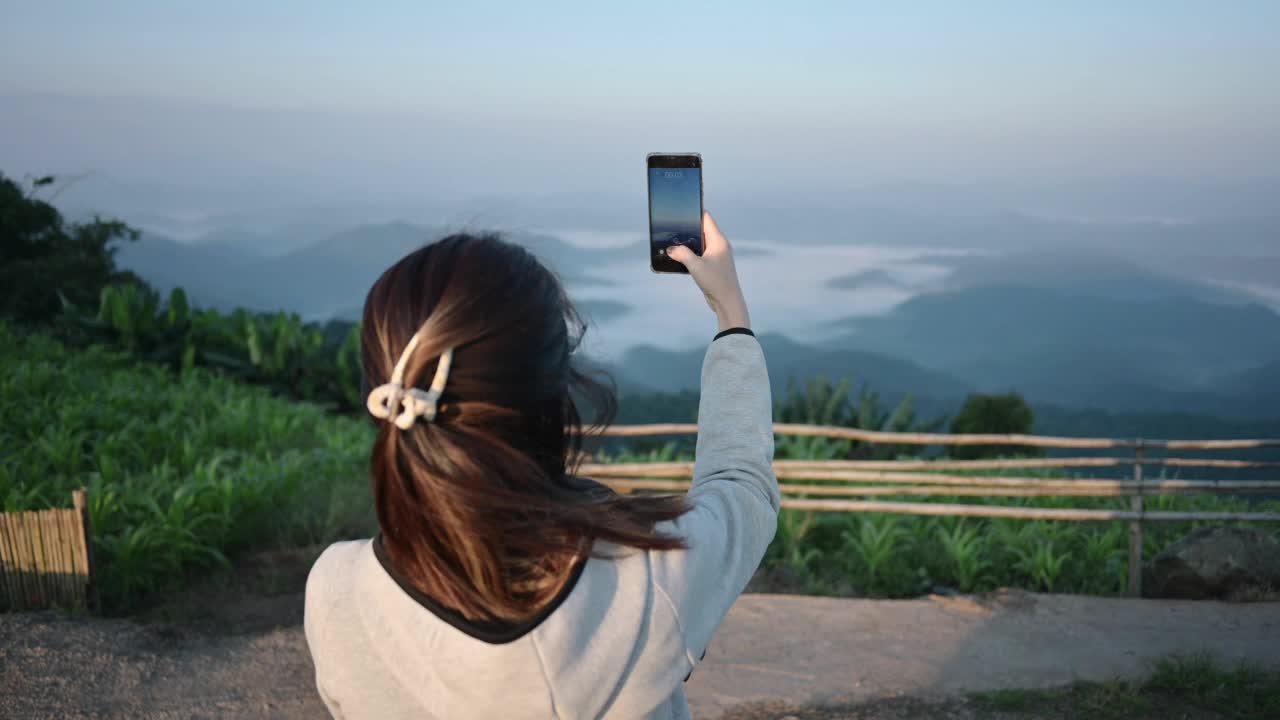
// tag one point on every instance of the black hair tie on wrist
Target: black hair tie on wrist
(733, 331)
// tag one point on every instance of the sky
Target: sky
(291, 99)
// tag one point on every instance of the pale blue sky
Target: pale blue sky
(824, 94)
(408, 55)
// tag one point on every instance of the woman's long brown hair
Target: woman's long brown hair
(480, 509)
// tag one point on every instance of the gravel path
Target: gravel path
(774, 652)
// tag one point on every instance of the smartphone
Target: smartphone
(675, 207)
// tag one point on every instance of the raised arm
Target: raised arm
(735, 495)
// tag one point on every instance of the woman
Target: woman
(500, 585)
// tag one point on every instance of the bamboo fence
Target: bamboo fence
(46, 558)
(923, 477)
(895, 438)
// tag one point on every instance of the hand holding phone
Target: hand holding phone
(675, 207)
(716, 275)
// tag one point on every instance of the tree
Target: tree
(42, 255)
(997, 414)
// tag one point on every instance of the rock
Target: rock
(1214, 562)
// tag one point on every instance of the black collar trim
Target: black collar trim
(494, 633)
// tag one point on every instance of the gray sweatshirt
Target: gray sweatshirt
(621, 640)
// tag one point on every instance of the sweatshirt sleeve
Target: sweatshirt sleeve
(734, 496)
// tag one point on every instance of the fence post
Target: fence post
(1137, 504)
(80, 499)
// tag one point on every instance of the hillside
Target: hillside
(1080, 329)
(324, 278)
(1083, 350)
(1257, 388)
(188, 468)
(218, 276)
(647, 368)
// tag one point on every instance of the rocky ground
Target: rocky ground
(234, 648)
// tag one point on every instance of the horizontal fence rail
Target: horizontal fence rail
(830, 485)
(1018, 512)
(784, 472)
(46, 558)
(1104, 488)
(791, 491)
(894, 438)
(1010, 463)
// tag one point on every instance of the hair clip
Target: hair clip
(413, 403)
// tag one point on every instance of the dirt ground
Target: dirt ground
(233, 647)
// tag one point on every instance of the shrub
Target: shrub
(184, 470)
(996, 414)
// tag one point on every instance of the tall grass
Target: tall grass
(904, 555)
(884, 555)
(183, 469)
(186, 468)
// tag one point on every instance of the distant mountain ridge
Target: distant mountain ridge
(1092, 334)
(324, 278)
(648, 368)
(862, 279)
(1078, 350)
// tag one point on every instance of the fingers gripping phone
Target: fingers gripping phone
(675, 207)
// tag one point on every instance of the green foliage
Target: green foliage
(790, 546)
(962, 549)
(994, 414)
(187, 467)
(1242, 690)
(821, 402)
(52, 272)
(872, 549)
(887, 555)
(904, 555)
(184, 470)
(1196, 686)
(1101, 563)
(304, 361)
(349, 367)
(1041, 564)
(671, 451)
(42, 256)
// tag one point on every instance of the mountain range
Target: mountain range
(1067, 330)
(1151, 354)
(646, 368)
(324, 278)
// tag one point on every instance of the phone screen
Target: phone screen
(675, 208)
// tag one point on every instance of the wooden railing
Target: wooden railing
(923, 477)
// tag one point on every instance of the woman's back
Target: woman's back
(624, 629)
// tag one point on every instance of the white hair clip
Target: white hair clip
(388, 397)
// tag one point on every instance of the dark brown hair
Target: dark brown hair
(480, 509)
